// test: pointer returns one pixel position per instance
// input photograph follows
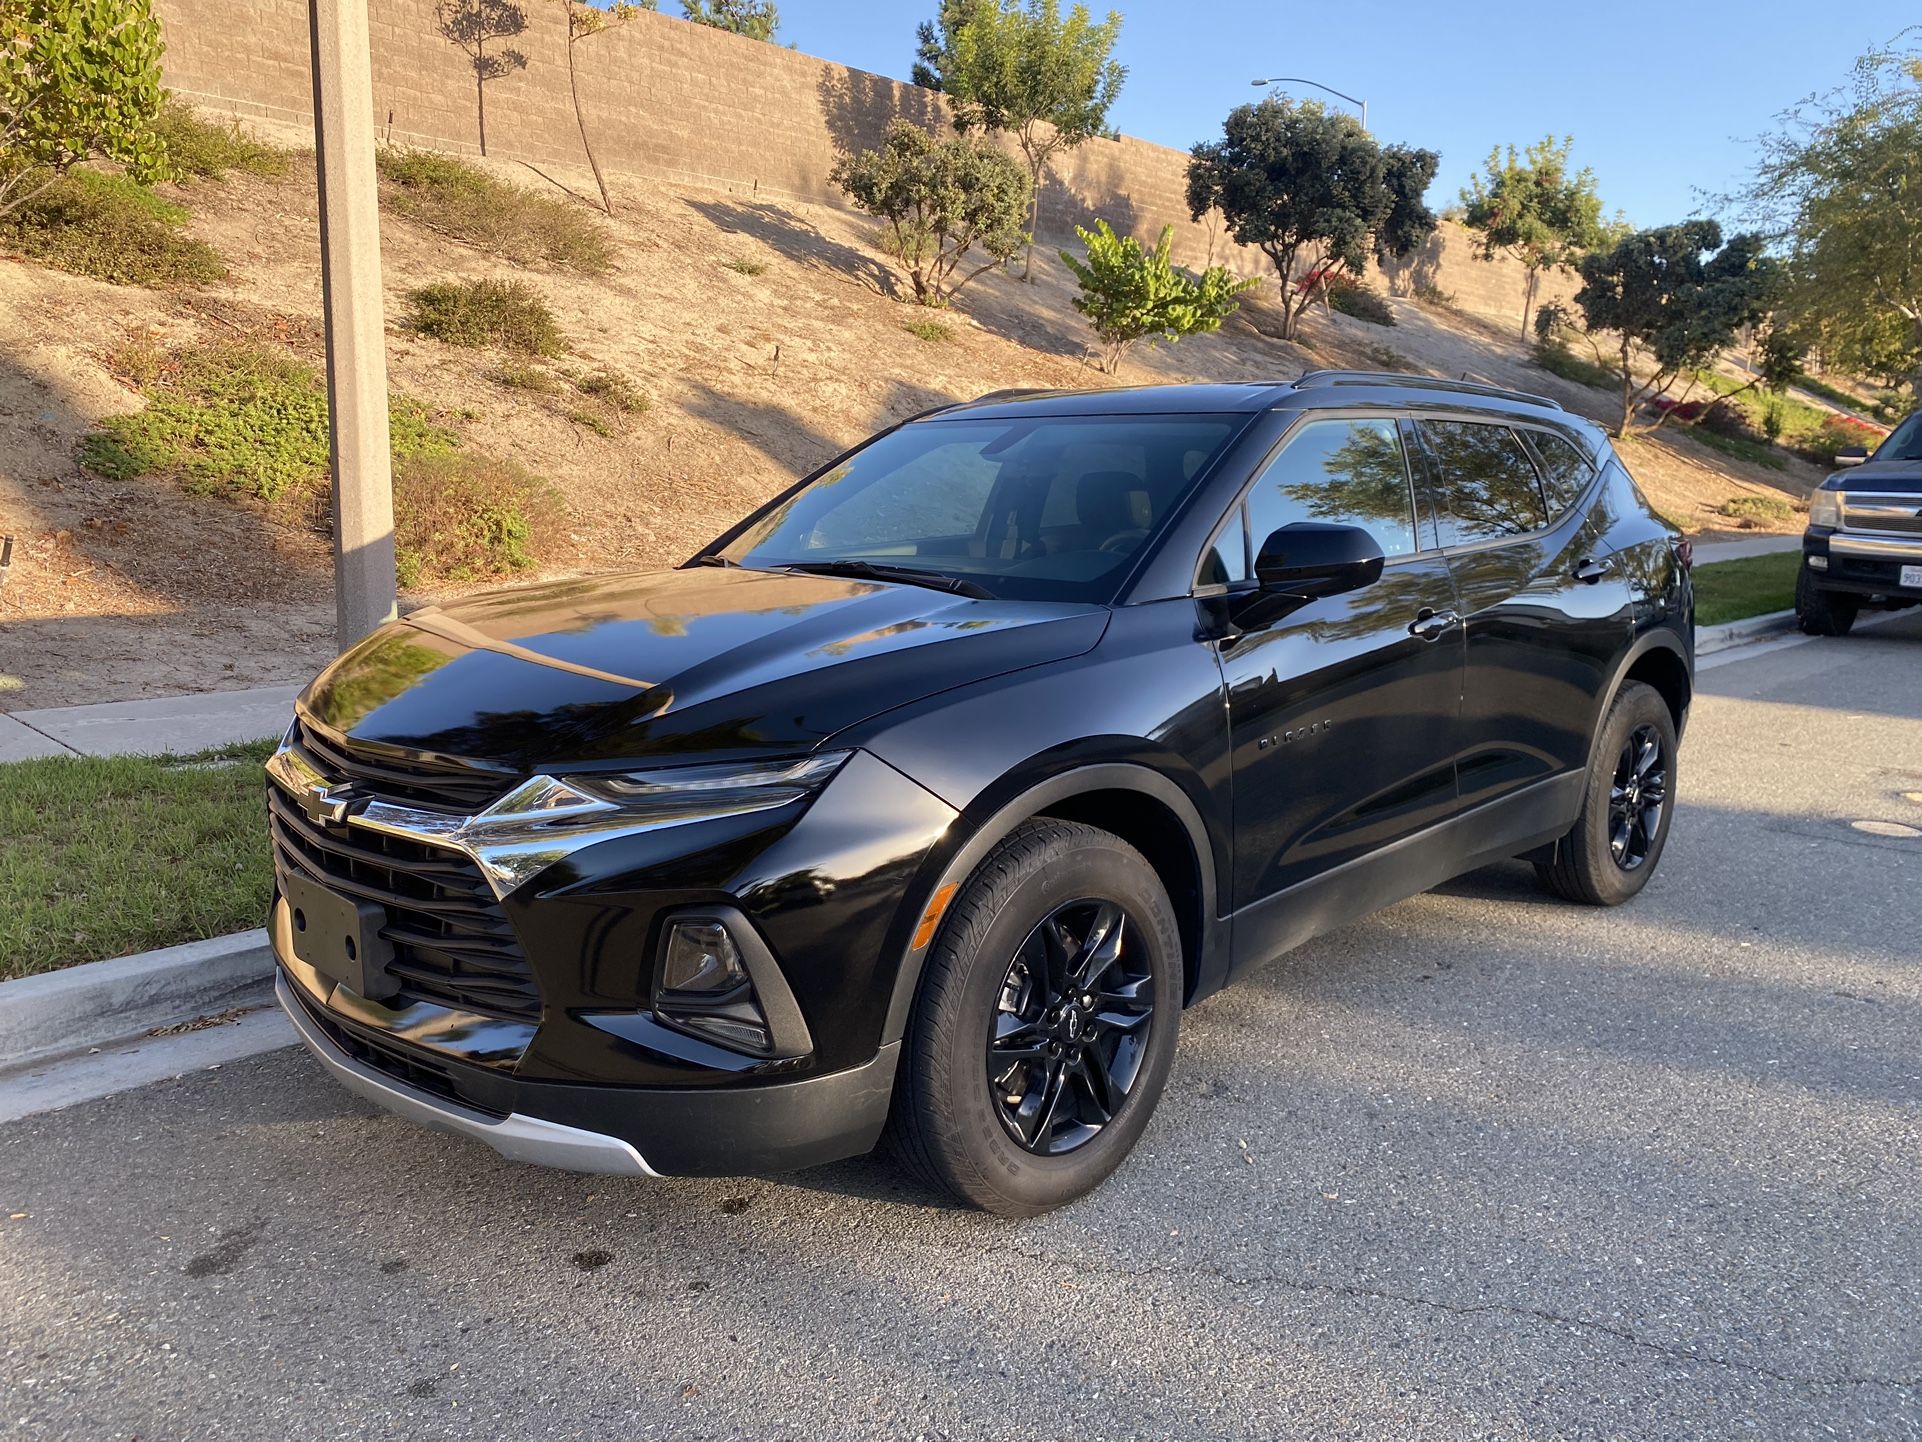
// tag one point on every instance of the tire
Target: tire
(1616, 842)
(956, 1127)
(1819, 612)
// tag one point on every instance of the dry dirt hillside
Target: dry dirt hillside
(764, 339)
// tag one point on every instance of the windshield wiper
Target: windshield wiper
(869, 571)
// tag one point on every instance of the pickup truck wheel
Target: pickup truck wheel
(1045, 1024)
(1614, 845)
(1819, 612)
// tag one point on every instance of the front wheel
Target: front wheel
(1045, 1024)
(1819, 612)
(1611, 851)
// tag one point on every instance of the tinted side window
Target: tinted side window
(1565, 470)
(1487, 482)
(1227, 560)
(1345, 472)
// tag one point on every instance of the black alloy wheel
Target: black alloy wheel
(1071, 1027)
(1636, 798)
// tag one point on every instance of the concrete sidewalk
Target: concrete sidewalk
(165, 723)
(1713, 551)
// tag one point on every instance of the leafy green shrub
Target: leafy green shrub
(465, 203)
(507, 313)
(593, 421)
(614, 389)
(941, 199)
(1558, 359)
(1428, 293)
(1129, 293)
(742, 266)
(1772, 418)
(236, 418)
(208, 149)
(1388, 358)
(1759, 510)
(110, 228)
(928, 329)
(465, 517)
(520, 376)
(1351, 297)
(1834, 434)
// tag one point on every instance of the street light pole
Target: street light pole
(363, 483)
(1297, 80)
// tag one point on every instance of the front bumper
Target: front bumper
(1863, 565)
(631, 1131)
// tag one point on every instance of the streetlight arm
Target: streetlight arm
(1339, 95)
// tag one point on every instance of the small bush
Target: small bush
(613, 389)
(593, 421)
(465, 203)
(112, 229)
(1352, 298)
(1388, 358)
(741, 266)
(463, 517)
(505, 313)
(1427, 292)
(928, 329)
(208, 149)
(1559, 360)
(236, 418)
(1772, 418)
(1759, 510)
(1834, 434)
(519, 376)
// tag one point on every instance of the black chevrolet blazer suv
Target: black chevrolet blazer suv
(924, 800)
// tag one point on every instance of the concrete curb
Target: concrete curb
(1710, 639)
(106, 1001)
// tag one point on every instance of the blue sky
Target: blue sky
(1659, 98)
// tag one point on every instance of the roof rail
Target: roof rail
(1432, 383)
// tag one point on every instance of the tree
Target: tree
(584, 21)
(1313, 191)
(756, 19)
(1027, 71)
(1129, 293)
(940, 198)
(469, 25)
(1532, 208)
(1675, 295)
(1839, 189)
(78, 79)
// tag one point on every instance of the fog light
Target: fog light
(1818, 563)
(701, 958)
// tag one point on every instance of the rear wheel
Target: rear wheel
(1045, 1024)
(1614, 845)
(1819, 612)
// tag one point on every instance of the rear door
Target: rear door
(1545, 607)
(1343, 712)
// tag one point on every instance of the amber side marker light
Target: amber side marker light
(931, 918)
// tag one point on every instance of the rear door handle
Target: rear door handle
(1591, 570)
(1430, 623)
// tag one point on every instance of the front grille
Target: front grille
(459, 788)
(417, 1069)
(453, 945)
(1895, 515)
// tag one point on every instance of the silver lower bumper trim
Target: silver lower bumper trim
(519, 1138)
(1881, 548)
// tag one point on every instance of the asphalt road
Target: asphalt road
(1482, 1166)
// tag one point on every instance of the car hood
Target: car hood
(1892, 477)
(706, 662)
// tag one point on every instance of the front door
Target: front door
(1343, 712)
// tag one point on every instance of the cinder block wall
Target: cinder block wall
(691, 105)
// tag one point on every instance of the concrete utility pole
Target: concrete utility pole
(364, 594)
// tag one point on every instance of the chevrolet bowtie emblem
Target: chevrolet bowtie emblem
(327, 805)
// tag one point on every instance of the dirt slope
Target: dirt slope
(124, 589)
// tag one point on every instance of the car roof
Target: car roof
(1316, 390)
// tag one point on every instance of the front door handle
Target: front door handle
(1591, 570)
(1430, 623)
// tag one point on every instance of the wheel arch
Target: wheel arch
(1658, 659)
(1143, 807)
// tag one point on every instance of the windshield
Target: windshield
(1049, 508)
(1904, 442)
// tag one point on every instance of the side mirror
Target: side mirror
(1851, 456)
(1312, 558)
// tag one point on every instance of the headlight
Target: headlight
(1825, 509)
(717, 790)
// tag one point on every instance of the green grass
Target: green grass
(111, 855)
(109, 228)
(235, 417)
(1359, 301)
(509, 314)
(209, 149)
(468, 517)
(1752, 586)
(614, 390)
(1560, 360)
(467, 204)
(1759, 453)
(1762, 510)
(742, 266)
(928, 330)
